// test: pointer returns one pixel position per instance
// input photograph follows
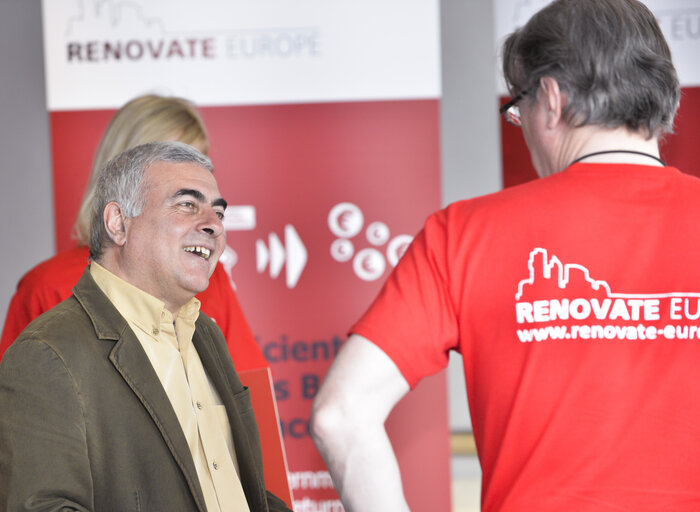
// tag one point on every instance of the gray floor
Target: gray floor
(466, 484)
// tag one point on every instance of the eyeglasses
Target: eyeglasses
(511, 111)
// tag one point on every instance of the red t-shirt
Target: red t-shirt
(575, 302)
(52, 281)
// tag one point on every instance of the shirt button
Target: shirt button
(155, 331)
(199, 405)
(215, 465)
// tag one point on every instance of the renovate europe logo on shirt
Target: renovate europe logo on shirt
(600, 314)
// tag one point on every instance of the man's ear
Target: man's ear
(555, 101)
(115, 223)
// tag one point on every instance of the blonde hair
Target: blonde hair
(144, 119)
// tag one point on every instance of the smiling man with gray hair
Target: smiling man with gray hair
(124, 396)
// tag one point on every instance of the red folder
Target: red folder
(262, 395)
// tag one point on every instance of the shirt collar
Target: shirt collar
(137, 306)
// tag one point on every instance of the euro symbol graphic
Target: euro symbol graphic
(345, 220)
(367, 264)
(342, 249)
(397, 248)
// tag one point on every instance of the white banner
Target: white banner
(679, 20)
(101, 53)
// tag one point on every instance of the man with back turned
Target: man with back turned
(573, 299)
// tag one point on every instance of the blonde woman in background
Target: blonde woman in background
(144, 119)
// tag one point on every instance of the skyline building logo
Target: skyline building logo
(541, 267)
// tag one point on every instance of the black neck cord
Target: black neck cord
(619, 151)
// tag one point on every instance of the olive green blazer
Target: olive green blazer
(86, 425)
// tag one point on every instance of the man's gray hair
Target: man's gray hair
(122, 181)
(609, 56)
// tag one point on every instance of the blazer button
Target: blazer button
(155, 331)
(215, 465)
(199, 405)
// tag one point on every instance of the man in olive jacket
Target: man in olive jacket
(124, 397)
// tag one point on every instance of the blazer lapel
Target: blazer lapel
(130, 360)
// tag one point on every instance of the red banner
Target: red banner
(329, 195)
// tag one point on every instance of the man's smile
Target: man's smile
(198, 250)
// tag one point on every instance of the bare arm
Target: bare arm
(347, 424)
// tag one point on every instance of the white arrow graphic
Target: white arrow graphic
(292, 255)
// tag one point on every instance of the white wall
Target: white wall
(471, 158)
(471, 161)
(26, 197)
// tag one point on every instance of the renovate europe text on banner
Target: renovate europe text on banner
(323, 119)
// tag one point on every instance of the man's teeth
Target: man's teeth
(199, 251)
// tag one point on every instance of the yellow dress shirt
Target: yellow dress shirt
(196, 402)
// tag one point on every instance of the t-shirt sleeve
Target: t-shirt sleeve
(20, 312)
(413, 318)
(36, 293)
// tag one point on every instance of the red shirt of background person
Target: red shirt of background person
(144, 119)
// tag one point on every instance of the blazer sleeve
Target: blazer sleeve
(274, 504)
(43, 448)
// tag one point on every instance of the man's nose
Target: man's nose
(211, 223)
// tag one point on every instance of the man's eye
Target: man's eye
(187, 204)
(220, 215)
